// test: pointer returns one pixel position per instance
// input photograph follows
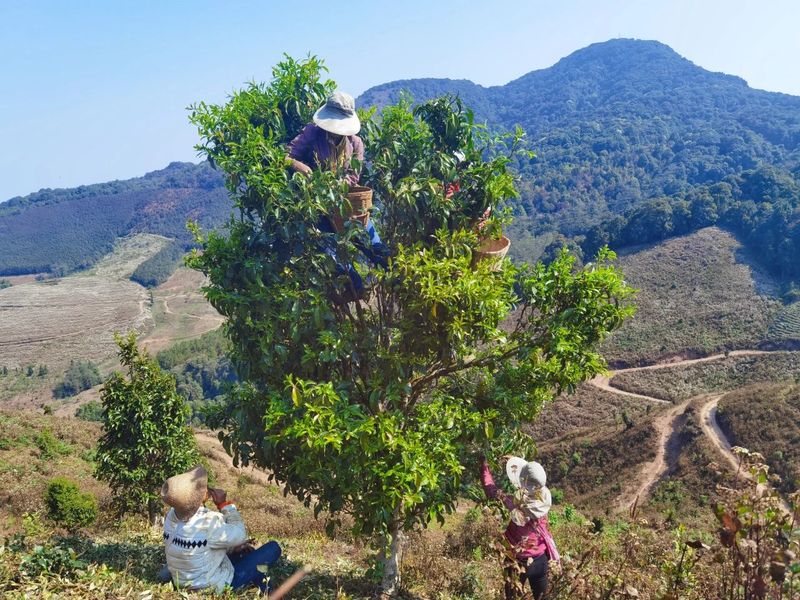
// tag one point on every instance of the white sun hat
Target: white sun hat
(338, 115)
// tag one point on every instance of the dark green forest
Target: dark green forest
(160, 266)
(633, 144)
(201, 368)
(60, 231)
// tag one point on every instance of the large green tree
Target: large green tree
(370, 408)
(145, 437)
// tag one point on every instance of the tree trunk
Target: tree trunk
(392, 557)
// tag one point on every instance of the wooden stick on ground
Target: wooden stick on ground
(287, 585)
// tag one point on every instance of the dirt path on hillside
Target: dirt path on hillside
(692, 361)
(210, 442)
(603, 382)
(712, 430)
(666, 424)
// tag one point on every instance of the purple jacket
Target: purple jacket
(530, 540)
(311, 147)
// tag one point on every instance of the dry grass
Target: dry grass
(594, 467)
(682, 382)
(584, 411)
(452, 562)
(766, 418)
(74, 318)
(688, 490)
(699, 294)
(124, 556)
(180, 311)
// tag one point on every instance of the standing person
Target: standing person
(198, 541)
(527, 532)
(330, 142)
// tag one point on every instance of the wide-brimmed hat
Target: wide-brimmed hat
(186, 492)
(338, 115)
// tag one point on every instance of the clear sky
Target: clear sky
(97, 90)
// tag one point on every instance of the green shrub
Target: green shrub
(58, 559)
(68, 506)
(50, 446)
(91, 411)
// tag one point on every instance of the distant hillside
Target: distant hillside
(634, 144)
(640, 144)
(59, 231)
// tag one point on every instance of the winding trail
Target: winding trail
(210, 442)
(712, 430)
(666, 424)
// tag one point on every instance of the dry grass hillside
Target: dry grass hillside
(728, 373)
(766, 418)
(55, 321)
(699, 294)
(583, 411)
(115, 559)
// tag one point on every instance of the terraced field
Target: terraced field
(786, 326)
(54, 321)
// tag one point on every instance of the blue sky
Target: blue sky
(94, 91)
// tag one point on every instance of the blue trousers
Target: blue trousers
(376, 252)
(244, 567)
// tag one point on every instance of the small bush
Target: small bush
(68, 506)
(91, 411)
(50, 446)
(58, 559)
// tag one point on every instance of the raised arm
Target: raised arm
(490, 487)
(228, 530)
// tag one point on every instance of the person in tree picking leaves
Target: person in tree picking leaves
(331, 142)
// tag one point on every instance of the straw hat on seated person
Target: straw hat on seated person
(186, 492)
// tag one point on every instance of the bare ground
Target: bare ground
(667, 424)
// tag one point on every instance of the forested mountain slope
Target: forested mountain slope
(640, 144)
(62, 230)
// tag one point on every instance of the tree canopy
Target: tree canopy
(370, 406)
(145, 437)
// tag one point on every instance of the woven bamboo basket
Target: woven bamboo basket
(360, 199)
(492, 250)
(338, 220)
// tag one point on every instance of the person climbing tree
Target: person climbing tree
(331, 142)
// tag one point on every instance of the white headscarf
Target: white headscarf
(532, 499)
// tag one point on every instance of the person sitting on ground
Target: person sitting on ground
(330, 142)
(205, 548)
(527, 532)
